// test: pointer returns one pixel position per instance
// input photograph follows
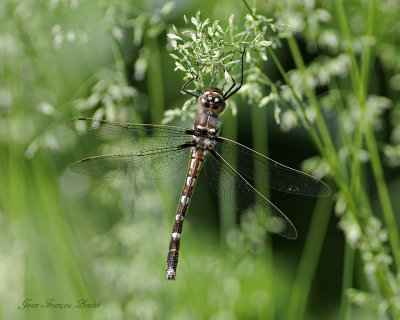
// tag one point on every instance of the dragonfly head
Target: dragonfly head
(212, 101)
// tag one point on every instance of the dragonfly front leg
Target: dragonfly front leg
(196, 160)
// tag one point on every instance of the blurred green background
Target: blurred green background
(68, 237)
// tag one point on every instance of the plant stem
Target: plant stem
(154, 81)
(330, 153)
(309, 259)
(347, 281)
(383, 194)
(309, 128)
(354, 74)
(259, 125)
(248, 8)
(360, 84)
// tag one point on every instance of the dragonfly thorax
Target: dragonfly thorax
(206, 123)
(203, 142)
(212, 101)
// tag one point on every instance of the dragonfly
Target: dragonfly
(159, 151)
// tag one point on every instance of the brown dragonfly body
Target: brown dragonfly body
(205, 127)
(157, 151)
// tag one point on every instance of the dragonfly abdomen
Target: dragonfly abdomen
(196, 161)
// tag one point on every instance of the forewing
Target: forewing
(129, 135)
(233, 188)
(269, 172)
(155, 164)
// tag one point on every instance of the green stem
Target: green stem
(383, 194)
(248, 8)
(117, 54)
(259, 120)
(327, 150)
(325, 144)
(330, 153)
(156, 106)
(154, 81)
(259, 126)
(361, 85)
(354, 74)
(309, 259)
(347, 281)
(309, 128)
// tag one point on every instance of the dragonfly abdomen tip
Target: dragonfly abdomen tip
(171, 274)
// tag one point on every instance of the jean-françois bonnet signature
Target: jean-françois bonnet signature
(53, 304)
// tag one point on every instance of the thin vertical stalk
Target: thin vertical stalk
(259, 125)
(309, 128)
(309, 259)
(330, 156)
(155, 91)
(154, 73)
(360, 84)
(323, 141)
(154, 81)
(330, 153)
(354, 73)
(248, 7)
(347, 281)
(383, 194)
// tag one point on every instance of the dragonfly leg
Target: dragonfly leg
(212, 80)
(227, 95)
(187, 83)
(230, 88)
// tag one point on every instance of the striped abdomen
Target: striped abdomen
(196, 160)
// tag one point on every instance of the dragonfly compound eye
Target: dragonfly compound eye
(212, 101)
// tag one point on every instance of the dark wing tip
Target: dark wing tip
(76, 165)
(82, 167)
(292, 235)
(290, 232)
(313, 187)
(325, 190)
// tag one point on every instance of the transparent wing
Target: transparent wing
(270, 174)
(154, 164)
(233, 188)
(129, 135)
